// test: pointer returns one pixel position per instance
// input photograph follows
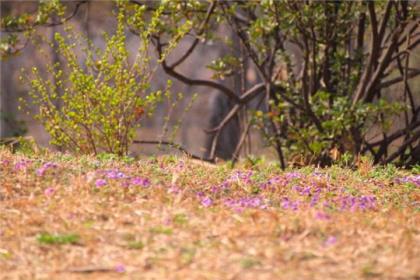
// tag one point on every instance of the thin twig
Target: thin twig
(176, 146)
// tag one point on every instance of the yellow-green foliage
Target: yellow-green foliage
(95, 103)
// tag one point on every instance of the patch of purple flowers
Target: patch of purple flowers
(314, 199)
(100, 182)
(41, 171)
(114, 174)
(274, 182)
(22, 164)
(331, 240)
(206, 202)
(287, 204)
(120, 268)
(304, 191)
(138, 181)
(241, 176)
(353, 203)
(293, 175)
(322, 216)
(414, 179)
(245, 202)
(223, 186)
(49, 191)
(174, 190)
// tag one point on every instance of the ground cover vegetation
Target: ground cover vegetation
(326, 75)
(64, 217)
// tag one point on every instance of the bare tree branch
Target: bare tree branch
(388, 83)
(193, 82)
(226, 119)
(196, 40)
(401, 149)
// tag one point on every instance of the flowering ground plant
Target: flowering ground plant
(176, 218)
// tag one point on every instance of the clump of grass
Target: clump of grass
(135, 245)
(161, 230)
(180, 219)
(248, 263)
(187, 255)
(58, 239)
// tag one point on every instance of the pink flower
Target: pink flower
(49, 191)
(22, 164)
(137, 181)
(41, 171)
(120, 268)
(174, 190)
(115, 174)
(100, 182)
(322, 216)
(331, 240)
(207, 202)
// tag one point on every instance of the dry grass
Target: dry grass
(196, 222)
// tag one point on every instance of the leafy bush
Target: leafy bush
(96, 106)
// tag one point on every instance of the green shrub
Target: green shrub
(95, 106)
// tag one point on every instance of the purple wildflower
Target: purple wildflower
(314, 199)
(207, 202)
(200, 194)
(49, 191)
(320, 175)
(306, 191)
(326, 204)
(115, 174)
(229, 202)
(41, 171)
(289, 204)
(353, 203)
(302, 191)
(22, 164)
(138, 181)
(223, 186)
(240, 176)
(71, 216)
(245, 202)
(254, 202)
(215, 189)
(414, 179)
(322, 216)
(297, 188)
(100, 182)
(120, 268)
(292, 175)
(367, 202)
(273, 182)
(174, 190)
(285, 203)
(331, 240)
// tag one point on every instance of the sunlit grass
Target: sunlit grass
(175, 218)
